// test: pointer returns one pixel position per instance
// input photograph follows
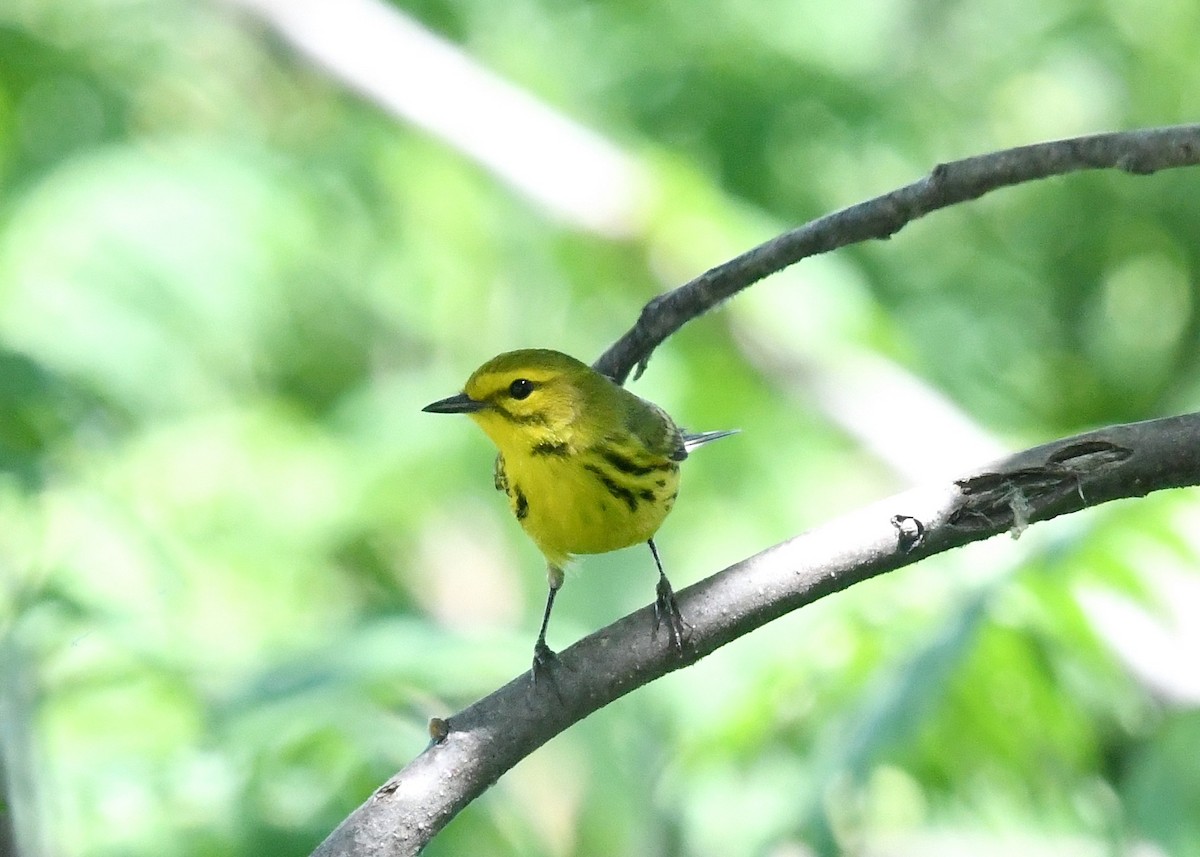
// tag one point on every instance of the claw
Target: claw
(666, 607)
(543, 659)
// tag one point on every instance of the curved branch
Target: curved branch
(473, 748)
(1140, 152)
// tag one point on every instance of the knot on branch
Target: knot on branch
(1011, 499)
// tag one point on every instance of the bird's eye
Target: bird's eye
(520, 388)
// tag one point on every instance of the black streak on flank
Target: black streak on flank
(620, 492)
(545, 447)
(646, 494)
(522, 507)
(632, 467)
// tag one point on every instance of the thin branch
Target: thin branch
(1139, 152)
(473, 748)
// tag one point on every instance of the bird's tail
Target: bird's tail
(691, 441)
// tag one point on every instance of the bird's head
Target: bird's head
(528, 396)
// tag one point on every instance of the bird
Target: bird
(588, 466)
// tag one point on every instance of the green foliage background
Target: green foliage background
(239, 570)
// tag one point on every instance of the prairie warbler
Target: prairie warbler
(588, 467)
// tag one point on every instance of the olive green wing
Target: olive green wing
(654, 429)
(657, 432)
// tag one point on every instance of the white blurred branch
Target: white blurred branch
(572, 172)
(580, 177)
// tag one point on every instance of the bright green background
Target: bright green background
(240, 569)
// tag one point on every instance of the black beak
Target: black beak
(460, 404)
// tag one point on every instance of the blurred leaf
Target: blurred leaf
(1162, 787)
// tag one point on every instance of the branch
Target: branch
(473, 748)
(476, 746)
(1139, 152)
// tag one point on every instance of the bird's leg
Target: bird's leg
(543, 655)
(665, 605)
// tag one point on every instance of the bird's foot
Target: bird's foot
(543, 660)
(666, 609)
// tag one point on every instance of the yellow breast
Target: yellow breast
(593, 501)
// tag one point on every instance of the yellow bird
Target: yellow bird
(588, 467)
